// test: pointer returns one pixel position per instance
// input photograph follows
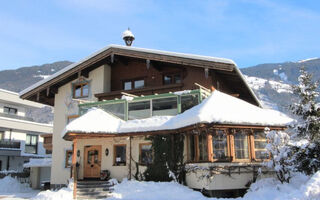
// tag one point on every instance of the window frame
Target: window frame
(9, 109)
(247, 133)
(252, 139)
(81, 84)
(231, 151)
(133, 87)
(140, 151)
(30, 145)
(115, 153)
(172, 76)
(228, 156)
(68, 154)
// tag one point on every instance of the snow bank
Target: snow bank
(218, 108)
(135, 190)
(45, 162)
(12, 185)
(63, 193)
(301, 187)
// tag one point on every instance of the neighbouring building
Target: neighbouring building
(19, 135)
(107, 105)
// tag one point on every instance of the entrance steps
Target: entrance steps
(93, 189)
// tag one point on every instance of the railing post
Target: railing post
(74, 168)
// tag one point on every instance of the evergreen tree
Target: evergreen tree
(306, 157)
(307, 108)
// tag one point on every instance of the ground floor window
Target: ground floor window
(68, 159)
(220, 145)
(120, 154)
(1, 135)
(145, 155)
(239, 145)
(260, 142)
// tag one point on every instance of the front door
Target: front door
(92, 161)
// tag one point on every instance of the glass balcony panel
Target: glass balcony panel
(139, 110)
(115, 109)
(164, 106)
(188, 101)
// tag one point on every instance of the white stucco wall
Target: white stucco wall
(107, 162)
(99, 80)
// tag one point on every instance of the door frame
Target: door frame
(85, 158)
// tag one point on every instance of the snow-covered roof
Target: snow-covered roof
(136, 49)
(218, 108)
(42, 162)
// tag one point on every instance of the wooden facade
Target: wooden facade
(132, 64)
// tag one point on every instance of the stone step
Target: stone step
(92, 197)
(94, 186)
(83, 190)
(92, 182)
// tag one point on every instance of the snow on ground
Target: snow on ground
(301, 187)
(11, 188)
(42, 162)
(259, 83)
(306, 60)
(41, 76)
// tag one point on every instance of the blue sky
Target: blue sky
(248, 31)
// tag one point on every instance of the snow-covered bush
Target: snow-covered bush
(10, 185)
(280, 154)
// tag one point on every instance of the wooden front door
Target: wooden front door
(92, 161)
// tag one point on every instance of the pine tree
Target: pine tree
(306, 158)
(307, 108)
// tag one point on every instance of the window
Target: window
(80, 90)
(139, 110)
(191, 148)
(31, 144)
(188, 101)
(119, 154)
(241, 147)
(145, 154)
(172, 79)
(164, 106)
(127, 85)
(220, 145)
(9, 110)
(68, 161)
(260, 142)
(133, 84)
(203, 147)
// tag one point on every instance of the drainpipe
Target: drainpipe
(130, 158)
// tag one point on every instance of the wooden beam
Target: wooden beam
(48, 91)
(74, 168)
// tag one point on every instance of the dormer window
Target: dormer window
(171, 79)
(81, 90)
(9, 110)
(133, 84)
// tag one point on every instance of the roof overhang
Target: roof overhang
(69, 136)
(43, 91)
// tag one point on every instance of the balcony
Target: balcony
(10, 148)
(13, 116)
(139, 107)
(9, 144)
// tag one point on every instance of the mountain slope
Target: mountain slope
(19, 79)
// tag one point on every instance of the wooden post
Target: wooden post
(74, 168)
(130, 157)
